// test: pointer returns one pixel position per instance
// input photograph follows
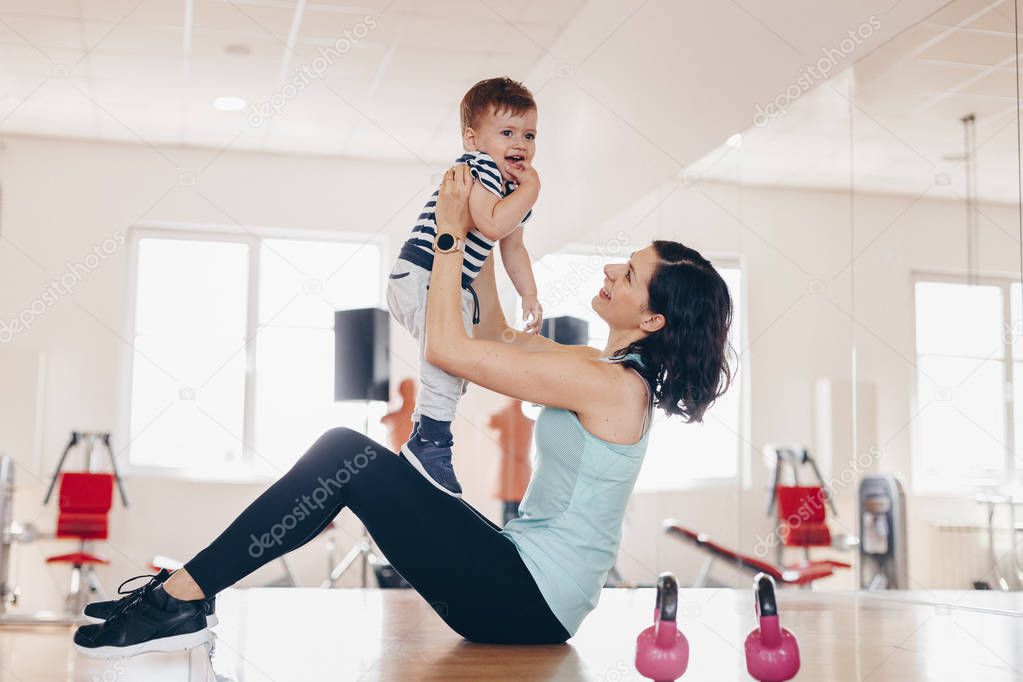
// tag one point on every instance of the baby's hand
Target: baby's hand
(522, 173)
(532, 314)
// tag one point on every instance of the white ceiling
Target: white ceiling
(630, 91)
(125, 70)
(894, 118)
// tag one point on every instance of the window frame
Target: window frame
(741, 377)
(930, 485)
(246, 471)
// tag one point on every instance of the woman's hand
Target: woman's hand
(452, 210)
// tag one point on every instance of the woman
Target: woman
(668, 311)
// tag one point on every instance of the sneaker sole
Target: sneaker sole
(418, 466)
(162, 644)
(211, 620)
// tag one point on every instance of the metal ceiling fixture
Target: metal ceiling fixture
(969, 150)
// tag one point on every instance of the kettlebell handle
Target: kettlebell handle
(662, 651)
(767, 609)
(667, 597)
(763, 588)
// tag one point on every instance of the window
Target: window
(679, 454)
(233, 363)
(968, 371)
(188, 378)
(298, 294)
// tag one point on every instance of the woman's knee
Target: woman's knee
(343, 441)
(345, 451)
(338, 435)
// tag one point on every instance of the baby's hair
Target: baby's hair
(503, 94)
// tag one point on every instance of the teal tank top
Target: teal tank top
(570, 519)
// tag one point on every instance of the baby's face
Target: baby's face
(507, 137)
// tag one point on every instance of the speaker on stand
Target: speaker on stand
(570, 331)
(361, 375)
(361, 355)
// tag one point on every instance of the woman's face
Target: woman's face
(622, 301)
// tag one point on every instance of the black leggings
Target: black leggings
(451, 554)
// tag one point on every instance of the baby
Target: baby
(499, 138)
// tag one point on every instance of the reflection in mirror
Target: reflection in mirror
(875, 219)
(791, 225)
(936, 266)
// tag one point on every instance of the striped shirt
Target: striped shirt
(419, 246)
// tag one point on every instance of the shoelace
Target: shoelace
(132, 597)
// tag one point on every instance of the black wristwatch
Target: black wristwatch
(447, 242)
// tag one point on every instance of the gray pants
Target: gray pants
(439, 391)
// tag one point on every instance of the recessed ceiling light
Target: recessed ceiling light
(734, 140)
(229, 104)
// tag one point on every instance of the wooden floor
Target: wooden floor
(284, 635)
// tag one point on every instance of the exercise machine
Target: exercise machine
(384, 573)
(802, 573)
(800, 514)
(799, 509)
(83, 510)
(90, 439)
(882, 529)
(11, 533)
(1010, 500)
(84, 501)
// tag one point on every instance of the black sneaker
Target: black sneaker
(433, 461)
(149, 621)
(99, 611)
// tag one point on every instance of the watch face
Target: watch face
(445, 242)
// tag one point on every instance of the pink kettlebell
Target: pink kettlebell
(772, 653)
(662, 652)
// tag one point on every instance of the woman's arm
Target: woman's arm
(566, 380)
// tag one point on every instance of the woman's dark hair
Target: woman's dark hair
(685, 361)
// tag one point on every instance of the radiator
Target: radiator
(961, 555)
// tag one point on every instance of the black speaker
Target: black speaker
(567, 330)
(361, 354)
